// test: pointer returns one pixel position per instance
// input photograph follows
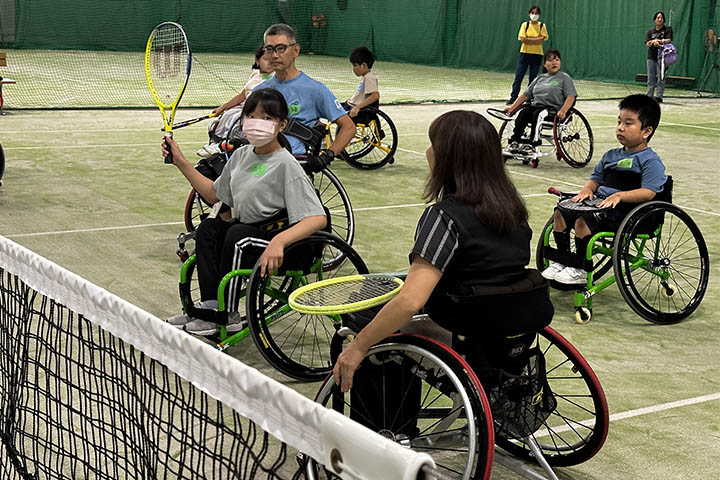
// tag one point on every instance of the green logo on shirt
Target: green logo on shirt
(258, 169)
(624, 163)
(293, 109)
(554, 82)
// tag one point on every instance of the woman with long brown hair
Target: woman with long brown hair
(475, 235)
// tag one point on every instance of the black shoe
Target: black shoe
(510, 102)
(658, 99)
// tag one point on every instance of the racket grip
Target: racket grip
(554, 191)
(169, 156)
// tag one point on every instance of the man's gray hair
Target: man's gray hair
(281, 29)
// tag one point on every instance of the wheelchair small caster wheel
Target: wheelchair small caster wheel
(534, 163)
(582, 315)
(526, 162)
(668, 290)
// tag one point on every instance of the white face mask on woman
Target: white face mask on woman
(258, 131)
(534, 17)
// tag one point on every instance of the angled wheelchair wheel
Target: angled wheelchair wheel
(424, 396)
(661, 262)
(2, 164)
(576, 430)
(334, 197)
(602, 263)
(196, 210)
(573, 139)
(298, 345)
(375, 142)
(505, 132)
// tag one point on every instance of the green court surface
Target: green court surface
(89, 190)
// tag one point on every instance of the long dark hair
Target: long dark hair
(469, 166)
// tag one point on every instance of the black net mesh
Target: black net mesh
(77, 402)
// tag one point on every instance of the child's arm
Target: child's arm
(639, 195)
(272, 257)
(233, 102)
(369, 99)
(203, 185)
(569, 101)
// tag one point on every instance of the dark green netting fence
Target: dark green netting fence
(82, 53)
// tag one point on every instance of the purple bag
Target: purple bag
(670, 53)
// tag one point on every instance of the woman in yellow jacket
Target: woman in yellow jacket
(531, 35)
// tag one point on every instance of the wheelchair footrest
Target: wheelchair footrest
(567, 258)
(207, 314)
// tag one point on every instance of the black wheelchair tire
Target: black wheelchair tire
(571, 440)
(688, 268)
(362, 152)
(335, 198)
(273, 335)
(574, 156)
(2, 164)
(461, 381)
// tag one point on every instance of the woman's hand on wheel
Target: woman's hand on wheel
(345, 367)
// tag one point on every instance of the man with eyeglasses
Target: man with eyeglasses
(308, 100)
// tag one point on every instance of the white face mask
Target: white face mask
(258, 131)
(534, 17)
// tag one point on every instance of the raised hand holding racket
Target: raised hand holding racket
(167, 70)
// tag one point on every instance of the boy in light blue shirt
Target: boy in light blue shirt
(623, 178)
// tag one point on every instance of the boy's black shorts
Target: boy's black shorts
(605, 220)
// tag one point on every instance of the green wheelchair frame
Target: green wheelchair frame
(658, 256)
(271, 323)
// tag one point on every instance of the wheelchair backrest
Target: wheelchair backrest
(311, 137)
(654, 221)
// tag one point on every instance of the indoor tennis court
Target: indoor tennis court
(86, 187)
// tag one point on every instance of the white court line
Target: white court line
(146, 225)
(85, 146)
(411, 151)
(554, 180)
(99, 229)
(637, 412)
(714, 129)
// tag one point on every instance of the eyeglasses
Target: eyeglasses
(279, 48)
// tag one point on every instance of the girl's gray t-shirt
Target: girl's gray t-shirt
(259, 186)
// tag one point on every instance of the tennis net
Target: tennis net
(94, 387)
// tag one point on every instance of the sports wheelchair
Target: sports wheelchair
(570, 140)
(332, 194)
(418, 389)
(375, 141)
(296, 344)
(658, 257)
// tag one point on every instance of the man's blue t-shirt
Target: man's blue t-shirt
(308, 101)
(645, 162)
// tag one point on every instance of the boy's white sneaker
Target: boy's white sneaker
(551, 272)
(571, 276)
(208, 150)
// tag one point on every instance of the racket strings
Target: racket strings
(348, 292)
(168, 62)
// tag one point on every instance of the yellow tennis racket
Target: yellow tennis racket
(348, 294)
(167, 70)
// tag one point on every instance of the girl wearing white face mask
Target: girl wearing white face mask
(531, 35)
(272, 198)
